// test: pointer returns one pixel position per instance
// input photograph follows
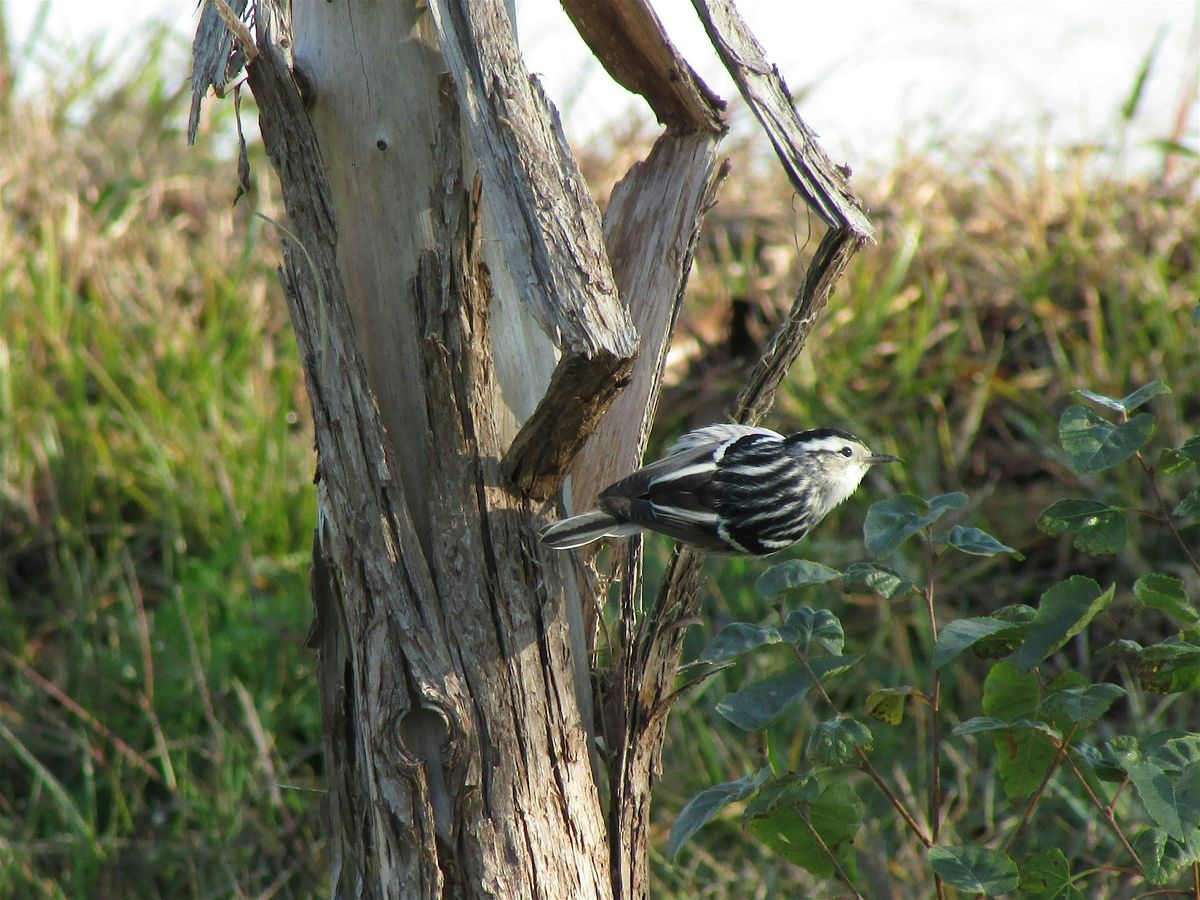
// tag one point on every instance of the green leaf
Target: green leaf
(963, 634)
(1191, 448)
(1018, 616)
(1162, 856)
(793, 574)
(702, 808)
(893, 521)
(1062, 681)
(889, 523)
(1173, 750)
(1098, 527)
(1103, 399)
(1099, 760)
(804, 625)
(1131, 402)
(1189, 506)
(1009, 693)
(759, 704)
(1065, 610)
(871, 578)
(1094, 444)
(1014, 696)
(1172, 462)
(887, 704)
(1167, 594)
(944, 503)
(1170, 666)
(1046, 875)
(1141, 78)
(984, 724)
(1081, 705)
(1143, 395)
(1168, 147)
(976, 870)
(787, 790)
(1171, 799)
(737, 638)
(975, 541)
(1184, 457)
(835, 742)
(835, 815)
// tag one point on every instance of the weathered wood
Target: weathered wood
(646, 679)
(651, 227)
(826, 268)
(549, 228)
(384, 588)
(211, 49)
(629, 40)
(377, 156)
(823, 186)
(458, 764)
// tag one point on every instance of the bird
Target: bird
(728, 489)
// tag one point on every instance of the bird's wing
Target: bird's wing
(692, 466)
(671, 495)
(715, 435)
(688, 466)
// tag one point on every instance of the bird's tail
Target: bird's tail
(579, 530)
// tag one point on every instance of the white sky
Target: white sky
(1021, 70)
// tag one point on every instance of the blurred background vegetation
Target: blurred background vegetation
(159, 726)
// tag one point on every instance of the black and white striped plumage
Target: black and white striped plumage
(729, 489)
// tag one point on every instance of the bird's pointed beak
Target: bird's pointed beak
(877, 458)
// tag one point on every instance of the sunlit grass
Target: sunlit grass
(155, 502)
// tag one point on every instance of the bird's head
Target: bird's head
(835, 460)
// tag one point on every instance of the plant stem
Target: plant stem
(935, 727)
(935, 730)
(1166, 514)
(867, 767)
(1112, 804)
(1037, 795)
(829, 853)
(1104, 811)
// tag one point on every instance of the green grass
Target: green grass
(158, 717)
(155, 506)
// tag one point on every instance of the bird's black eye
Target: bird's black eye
(847, 452)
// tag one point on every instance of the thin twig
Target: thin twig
(837, 866)
(1112, 806)
(935, 799)
(1166, 514)
(1103, 808)
(867, 766)
(1037, 795)
(908, 817)
(935, 727)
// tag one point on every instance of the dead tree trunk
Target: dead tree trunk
(470, 335)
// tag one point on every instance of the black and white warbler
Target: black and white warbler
(728, 489)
